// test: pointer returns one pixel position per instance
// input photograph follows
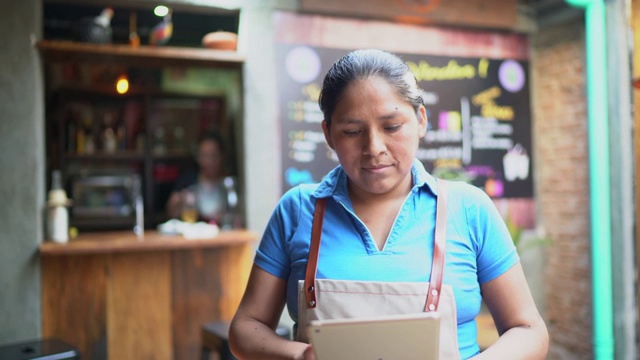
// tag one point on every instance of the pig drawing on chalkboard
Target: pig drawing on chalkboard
(516, 163)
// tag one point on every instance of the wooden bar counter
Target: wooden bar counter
(115, 296)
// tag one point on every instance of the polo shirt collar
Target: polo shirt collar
(334, 183)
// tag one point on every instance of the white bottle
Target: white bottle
(57, 211)
(138, 228)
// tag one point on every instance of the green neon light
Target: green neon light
(598, 120)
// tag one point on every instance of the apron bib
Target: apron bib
(321, 299)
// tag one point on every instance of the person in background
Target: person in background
(200, 194)
(379, 225)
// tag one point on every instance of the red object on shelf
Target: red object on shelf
(165, 172)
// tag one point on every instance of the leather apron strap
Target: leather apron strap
(440, 242)
(314, 252)
(437, 266)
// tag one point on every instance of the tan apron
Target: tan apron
(320, 299)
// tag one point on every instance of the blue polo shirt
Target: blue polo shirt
(479, 247)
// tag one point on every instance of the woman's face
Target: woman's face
(375, 135)
(210, 159)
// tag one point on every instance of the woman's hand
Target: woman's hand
(252, 333)
(309, 354)
(182, 204)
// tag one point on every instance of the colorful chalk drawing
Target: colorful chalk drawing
(450, 121)
(511, 76)
(295, 177)
(303, 64)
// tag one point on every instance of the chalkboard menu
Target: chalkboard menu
(478, 109)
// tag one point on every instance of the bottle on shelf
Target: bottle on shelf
(72, 131)
(57, 210)
(230, 218)
(110, 142)
(140, 142)
(178, 138)
(159, 142)
(108, 135)
(121, 137)
(80, 140)
(132, 125)
(138, 228)
(88, 143)
(134, 38)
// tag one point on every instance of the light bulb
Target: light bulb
(161, 11)
(122, 85)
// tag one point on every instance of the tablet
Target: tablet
(406, 336)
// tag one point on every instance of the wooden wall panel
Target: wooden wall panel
(234, 269)
(139, 306)
(195, 293)
(496, 14)
(207, 286)
(73, 302)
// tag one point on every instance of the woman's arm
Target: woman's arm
(252, 333)
(523, 334)
(174, 205)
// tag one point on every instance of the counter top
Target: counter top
(127, 241)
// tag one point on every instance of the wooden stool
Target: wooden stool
(215, 339)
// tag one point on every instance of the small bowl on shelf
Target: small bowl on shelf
(220, 40)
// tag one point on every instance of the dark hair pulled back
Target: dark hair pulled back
(360, 64)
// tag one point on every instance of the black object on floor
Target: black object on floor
(40, 349)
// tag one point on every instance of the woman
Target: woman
(379, 225)
(202, 190)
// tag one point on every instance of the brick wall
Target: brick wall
(562, 185)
